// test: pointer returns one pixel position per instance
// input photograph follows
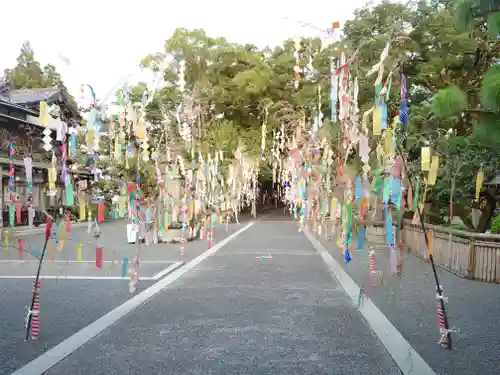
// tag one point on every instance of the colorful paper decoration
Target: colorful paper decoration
(98, 257)
(431, 180)
(426, 159)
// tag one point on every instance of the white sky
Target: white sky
(106, 39)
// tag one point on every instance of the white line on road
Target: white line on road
(53, 356)
(157, 276)
(167, 270)
(408, 360)
(83, 261)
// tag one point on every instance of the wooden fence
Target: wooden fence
(472, 255)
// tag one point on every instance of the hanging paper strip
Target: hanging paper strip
(52, 178)
(387, 189)
(5, 241)
(100, 212)
(11, 185)
(388, 225)
(70, 195)
(98, 257)
(72, 142)
(124, 266)
(361, 237)
(425, 159)
(396, 192)
(12, 214)
(52, 252)
(83, 210)
(18, 213)
(79, 252)
(20, 246)
(479, 183)
(433, 171)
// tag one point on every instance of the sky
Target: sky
(104, 40)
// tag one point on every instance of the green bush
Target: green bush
(495, 225)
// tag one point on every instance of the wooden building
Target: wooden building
(20, 125)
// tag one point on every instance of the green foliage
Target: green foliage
(449, 102)
(28, 74)
(490, 92)
(495, 225)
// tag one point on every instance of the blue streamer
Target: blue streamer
(396, 191)
(124, 266)
(388, 226)
(358, 188)
(347, 255)
(383, 114)
(72, 144)
(361, 238)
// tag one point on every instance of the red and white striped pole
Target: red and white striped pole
(182, 246)
(373, 281)
(443, 332)
(35, 318)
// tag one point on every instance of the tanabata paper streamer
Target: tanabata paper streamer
(361, 237)
(37, 253)
(359, 188)
(98, 257)
(18, 213)
(124, 266)
(79, 252)
(70, 195)
(387, 190)
(388, 225)
(426, 159)
(430, 238)
(347, 255)
(416, 196)
(83, 211)
(479, 183)
(20, 245)
(377, 121)
(396, 192)
(431, 180)
(12, 214)
(52, 250)
(100, 212)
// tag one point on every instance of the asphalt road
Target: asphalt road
(238, 313)
(409, 302)
(68, 305)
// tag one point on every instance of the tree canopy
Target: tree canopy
(449, 57)
(447, 49)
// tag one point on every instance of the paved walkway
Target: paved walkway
(237, 313)
(409, 302)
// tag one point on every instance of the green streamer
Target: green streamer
(415, 197)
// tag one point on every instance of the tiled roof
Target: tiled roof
(32, 96)
(495, 181)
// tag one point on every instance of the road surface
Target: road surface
(265, 300)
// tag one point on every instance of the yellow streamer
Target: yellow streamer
(52, 253)
(79, 252)
(426, 159)
(377, 121)
(82, 209)
(6, 241)
(44, 114)
(479, 183)
(52, 174)
(433, 171)
(430, 238)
